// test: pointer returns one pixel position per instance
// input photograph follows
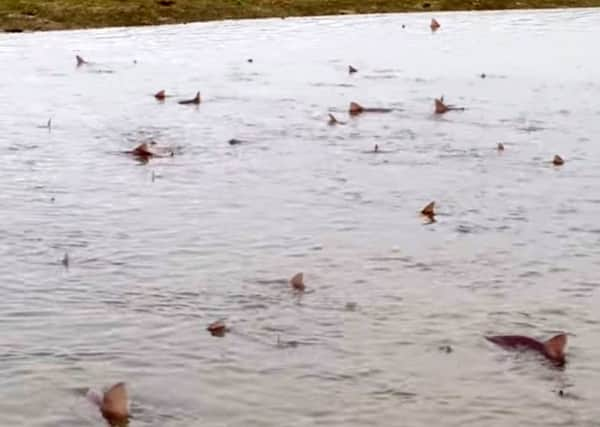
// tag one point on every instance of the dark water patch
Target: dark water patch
(99, 71)
(470, 229)
(552, 312)
(328, 377)
(382, 76)
(342, 85)
(531, 128)
(530, 274)
(22, 147)
(421, 266)
(452, 153)
(12, 356)
(269, 282)
(380, 268)
(31, 314)
(297, 255)
(566, 210)
(516, 216)
(389, 393)
(578, 292)
(588, 285)
(402, 259)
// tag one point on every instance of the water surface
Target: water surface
(159, 250)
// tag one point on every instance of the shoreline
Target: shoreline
(31, 16)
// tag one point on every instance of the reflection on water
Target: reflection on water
(158, 251)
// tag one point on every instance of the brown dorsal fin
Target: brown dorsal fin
(143, 150)
(332, 119)
(429, 210)
(218, 328)
(197, 98)
(297, 281)
(555, 346)
(440, 107)
(558, 160)
(115, 402)
(356, 108)
(80, 60)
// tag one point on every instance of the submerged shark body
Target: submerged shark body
(553, 349)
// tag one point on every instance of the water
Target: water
(220, 229)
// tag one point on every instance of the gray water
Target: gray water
(159, 250)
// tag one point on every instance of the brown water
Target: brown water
(219, 230)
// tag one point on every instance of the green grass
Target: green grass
(69, 14)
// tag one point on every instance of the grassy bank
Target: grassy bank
(68, 14)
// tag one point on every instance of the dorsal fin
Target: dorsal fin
(434, 24)
(356, 108)
(217, 328)
(429, 210)
(557, 160)
(142, 150)
(160, 95)
(332, 119)
(197, 98)
(65, 260)
(555, 346)
(115, 402)
(440, 107)
(297, 281)
(80, 60)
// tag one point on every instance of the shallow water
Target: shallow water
(158, 251)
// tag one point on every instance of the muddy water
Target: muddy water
(157, 251)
